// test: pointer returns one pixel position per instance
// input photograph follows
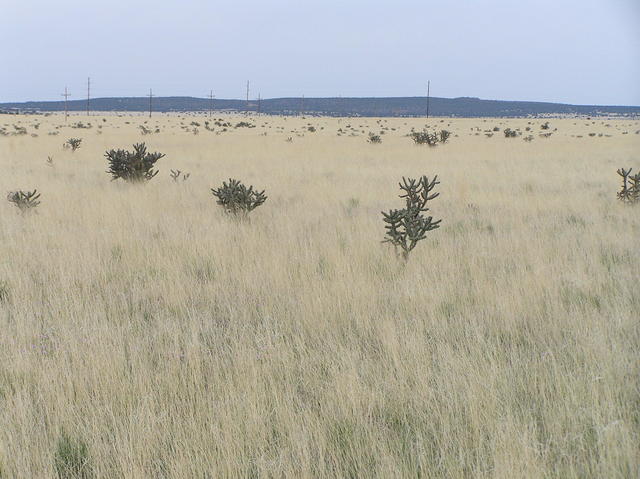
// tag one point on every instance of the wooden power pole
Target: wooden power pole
(150, 101)
(247, 96)
(88, 94)
(211, 97)
(428, 93)
(66, 95)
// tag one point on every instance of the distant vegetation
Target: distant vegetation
(395, 106)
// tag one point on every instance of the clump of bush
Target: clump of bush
(237, 199)
(509, 133)
(374, 139)
(72, 143)
(431, 139)
(630, 191)
(407, 226)
(424, 138)
(25, 201)
(133, 167)
(71, 459)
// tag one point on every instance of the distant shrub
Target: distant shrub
(509, 133)
(545, 126)
(424, 138)
(133, 167)
(244, 124)
(72, 143)
(444, 136)
(71, 459)
(407, 226)
(175, 175)
(630, 191)
(237, 199)
(25, 201)
(374, 139)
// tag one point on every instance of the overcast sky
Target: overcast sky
(571, 51)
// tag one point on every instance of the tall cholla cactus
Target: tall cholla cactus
(134, 167)
(24, 200)
(630, 192)
(407, 226)
(237, 199)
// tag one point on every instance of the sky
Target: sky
(569, 51)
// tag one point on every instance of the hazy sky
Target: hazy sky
(573, 51)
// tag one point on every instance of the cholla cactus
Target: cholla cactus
(72, 143)
(406, 227)
(237, 199)
(630, 192)
(134, 167)
(177, 174)
(423, 137)
(444, 136)
(24, 200)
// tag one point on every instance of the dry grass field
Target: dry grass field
(145, 334)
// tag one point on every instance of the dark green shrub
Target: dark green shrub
(237, 199)
(407, 226)
(134, 167)
(374, 139)
(424, 138)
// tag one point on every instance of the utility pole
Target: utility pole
(428, 92)
(150, 97)
(302, 106)
(88, 94)
(247, 96)
(66, 95)
(211, 97)
(259, 101)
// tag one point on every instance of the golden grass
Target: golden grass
(175, 342)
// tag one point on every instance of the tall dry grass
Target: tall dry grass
(174, 342)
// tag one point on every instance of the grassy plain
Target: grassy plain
(164, 339)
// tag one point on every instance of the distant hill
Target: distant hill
(398, 106)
